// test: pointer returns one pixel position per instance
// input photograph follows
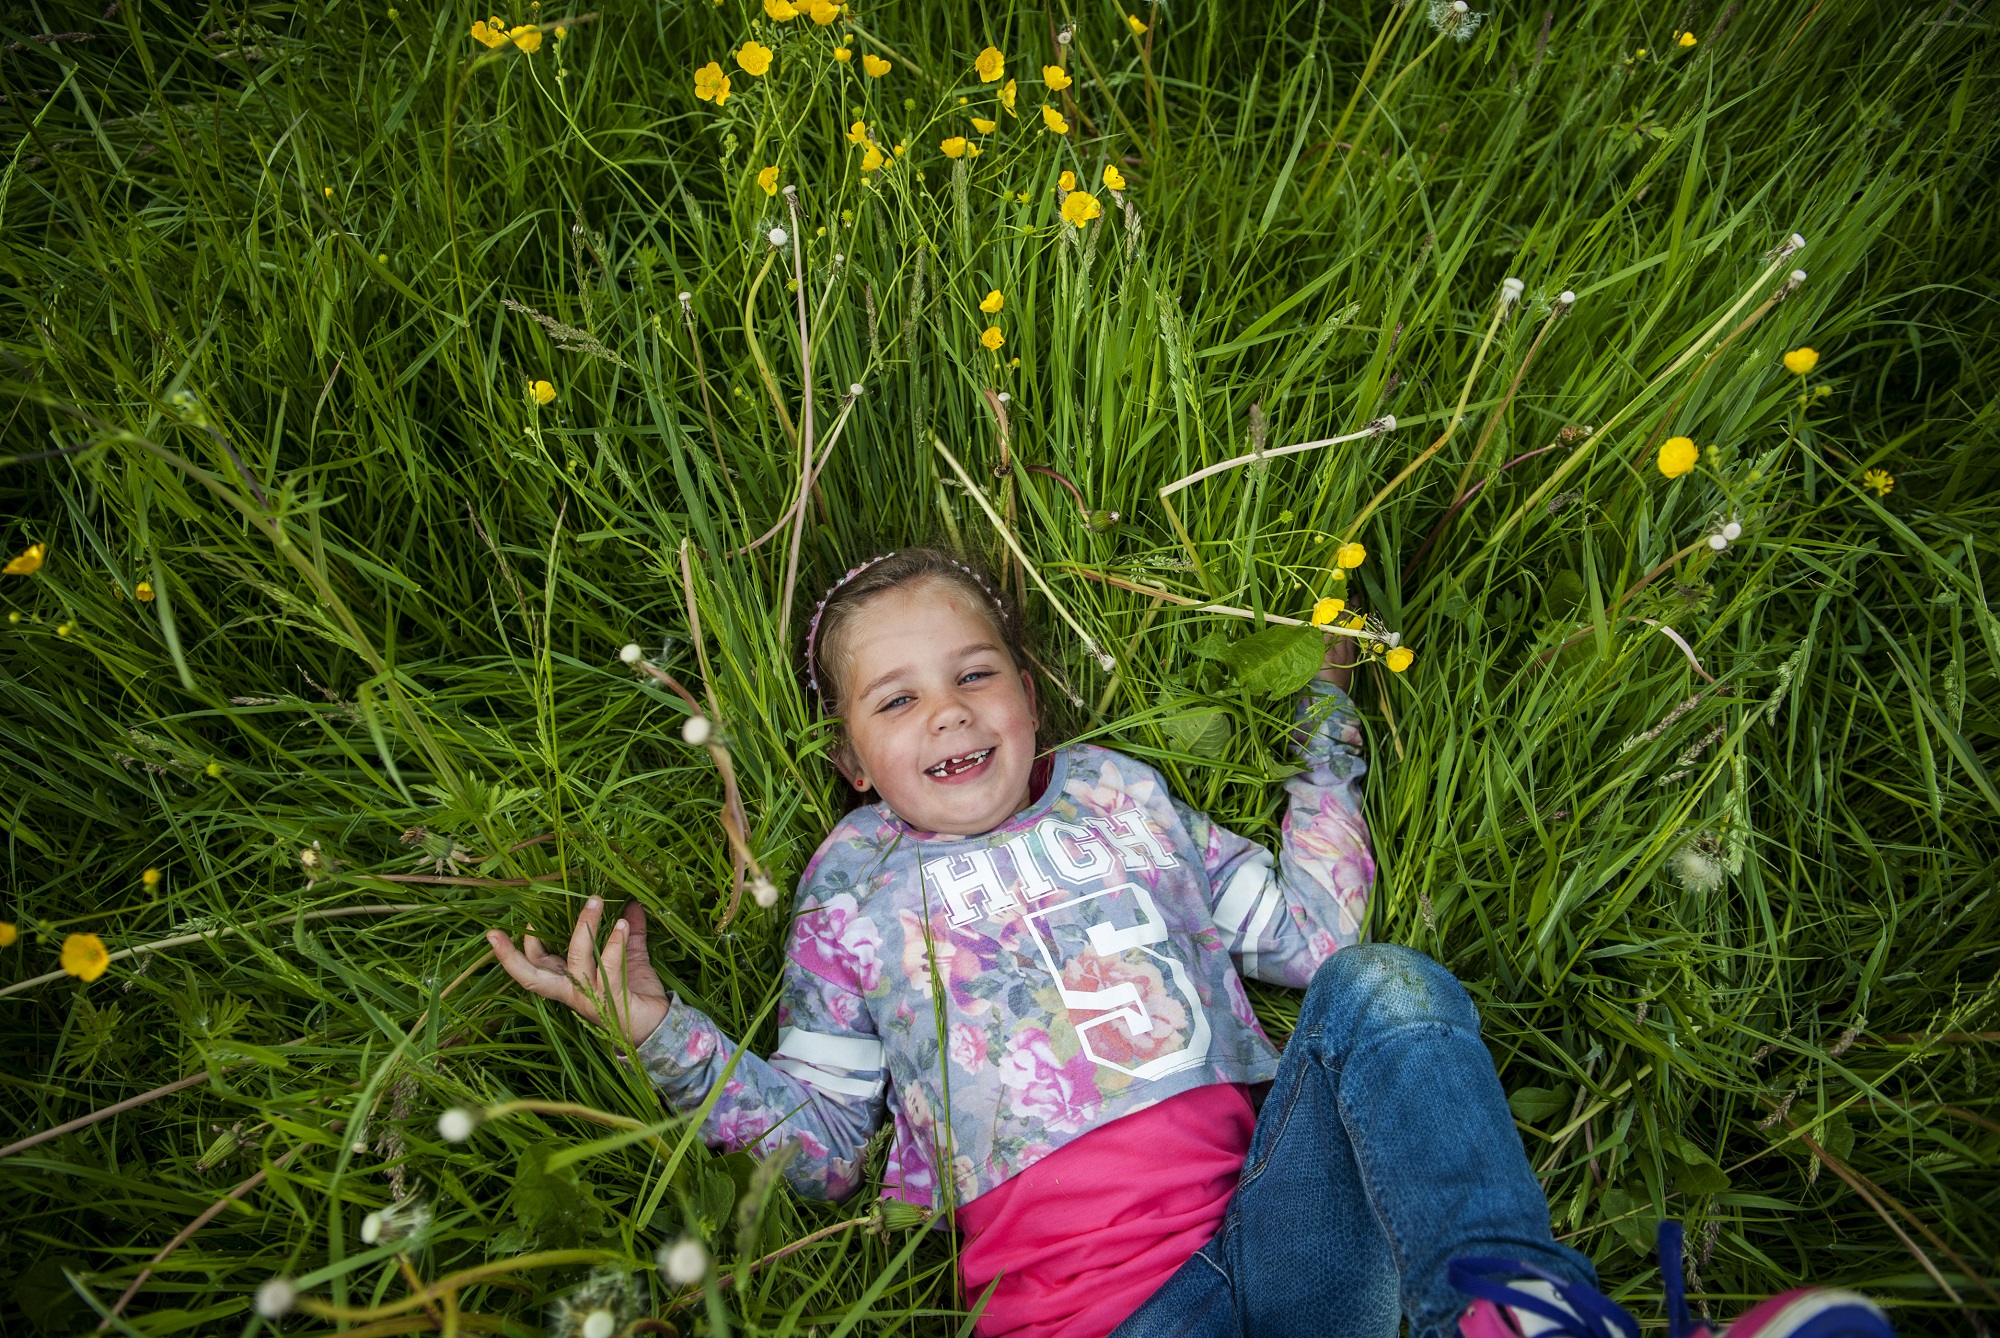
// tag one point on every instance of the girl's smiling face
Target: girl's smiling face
(939, 719)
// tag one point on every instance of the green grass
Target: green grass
(1734, 941)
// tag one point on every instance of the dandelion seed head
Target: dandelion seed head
(1566, 298)
(371, 1228)
(455, 1125)
(1697, 865)
(695, 730)
(764, 892)
(599, 1324)
(777, 236)
(1732, 531)
(631, 654)
(686, 297)
(1005, 398)
(684, 1261)
(1798, 276)
(276, 1298)
(1717, 542)
(1510, 288)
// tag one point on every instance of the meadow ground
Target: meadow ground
(373, 373)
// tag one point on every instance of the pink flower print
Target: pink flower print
(968, 1047)
(699, 1047)
(959, 962)
(908, 1175)
(838, 944)
(1113, 790)
(1239, 1004)
(1332, 844)
(1321, 946)
(1062, 1096)
(843, 1008)
(1029, 1155)
(1112, 1041)
(739, 1126)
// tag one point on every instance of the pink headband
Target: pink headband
(812, 628)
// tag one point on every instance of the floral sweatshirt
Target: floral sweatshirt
(997, 996)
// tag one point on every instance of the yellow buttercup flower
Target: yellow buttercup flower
(991, 338)
(1326, 610)
(1687, 39)
(1066, 182)
(768, 179)
(871, 158)
(144, 592)
(1351, 555)
(875, 65)
(561, 32)
(780, 11)
(1399, 659)
(1677, 456)
(858, 133)
(541, 392)
(84, 957)
(528, 37)
(493, 35)
(27, 563)
(822, 12)
(900, 149)
(984, 126)
(992, 302)
(841, 53)
(1132, 22)
(711, 84)
(1079, 207)
(754, 57)
(1800, 361)
(8, 933)
(1113, 178)
(953, 147)
(151, 878)
(1007, 97)
(1056, 77)
(1053, 119)
(1881, 480)
(990, 64)
(973, 150)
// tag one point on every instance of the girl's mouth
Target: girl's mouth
(959, 770)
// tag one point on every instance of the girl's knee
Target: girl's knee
(1386, 984)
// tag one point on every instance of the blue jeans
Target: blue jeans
(1384, 1150)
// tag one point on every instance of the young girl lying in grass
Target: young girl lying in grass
(1032, 961)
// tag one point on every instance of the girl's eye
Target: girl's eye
(901, 697)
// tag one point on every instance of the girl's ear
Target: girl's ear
(849, 766)
(1028, 684)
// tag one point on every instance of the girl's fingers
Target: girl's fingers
(635, 930)
(582, 960)
(525, 973)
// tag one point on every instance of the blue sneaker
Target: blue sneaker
(1512, 1299)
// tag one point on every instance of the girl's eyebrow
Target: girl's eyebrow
(963, 652)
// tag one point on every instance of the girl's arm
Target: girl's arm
(823, 1088)
(1282, 918)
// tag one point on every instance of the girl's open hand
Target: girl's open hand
(620, 980)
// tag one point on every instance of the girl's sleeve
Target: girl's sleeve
(823, 1088)
(1282, 918)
